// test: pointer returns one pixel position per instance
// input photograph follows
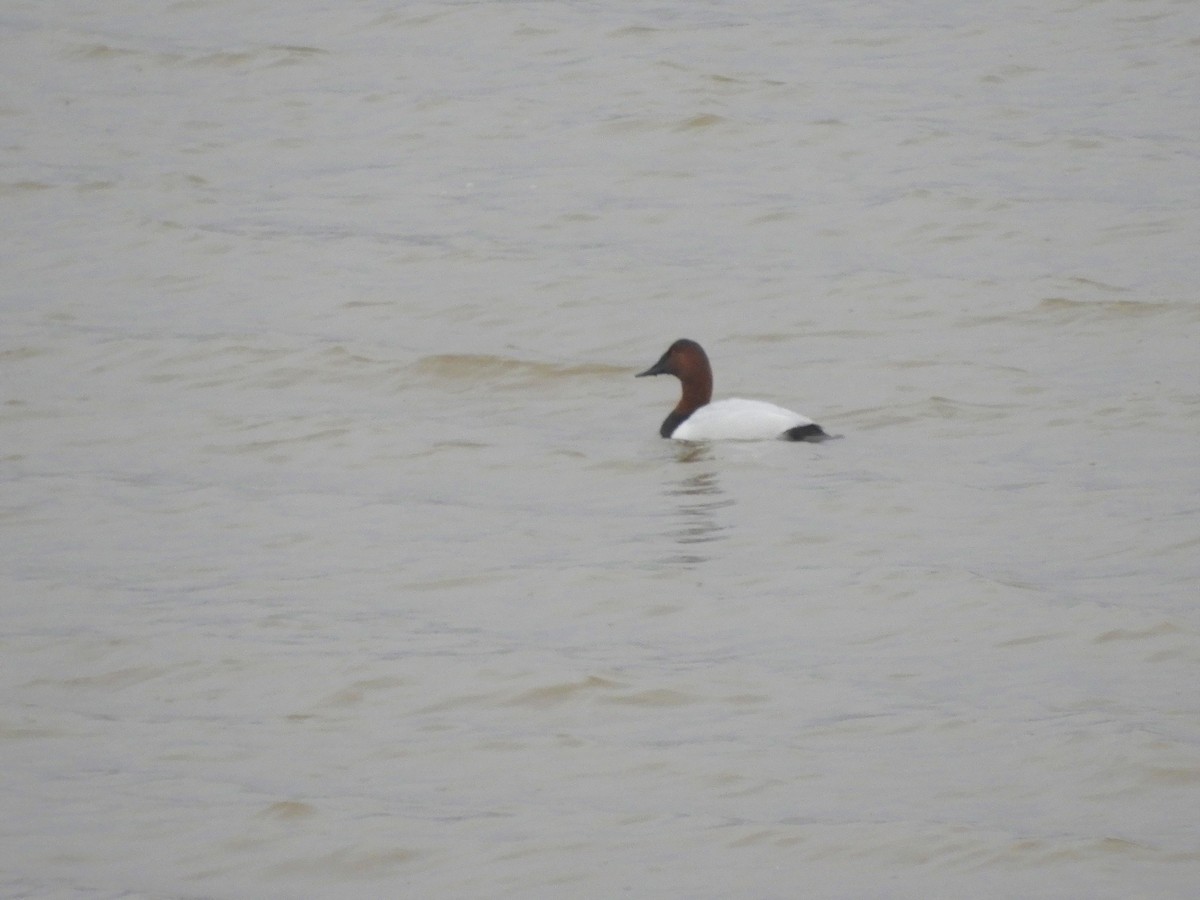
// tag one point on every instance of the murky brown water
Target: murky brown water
(340, 555)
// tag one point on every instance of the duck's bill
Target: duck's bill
(659, 368)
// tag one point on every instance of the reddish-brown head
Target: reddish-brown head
(688, 362)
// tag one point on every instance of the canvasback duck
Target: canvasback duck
(694, 418)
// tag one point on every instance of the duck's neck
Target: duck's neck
(697, 392)
(671, 422)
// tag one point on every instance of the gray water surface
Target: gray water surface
(339, 554)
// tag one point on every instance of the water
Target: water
(341, 556)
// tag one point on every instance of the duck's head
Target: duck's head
(688, 362)
(682, 359)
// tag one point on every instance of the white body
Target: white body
(738, 420)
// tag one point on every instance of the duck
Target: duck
(697, 418)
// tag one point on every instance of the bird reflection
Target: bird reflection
(697, 499)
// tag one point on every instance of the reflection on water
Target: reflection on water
(697, 498)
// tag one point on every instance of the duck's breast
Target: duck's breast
(738, 420)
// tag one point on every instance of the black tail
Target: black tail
(812, 433)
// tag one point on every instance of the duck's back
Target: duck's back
(739, 420)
